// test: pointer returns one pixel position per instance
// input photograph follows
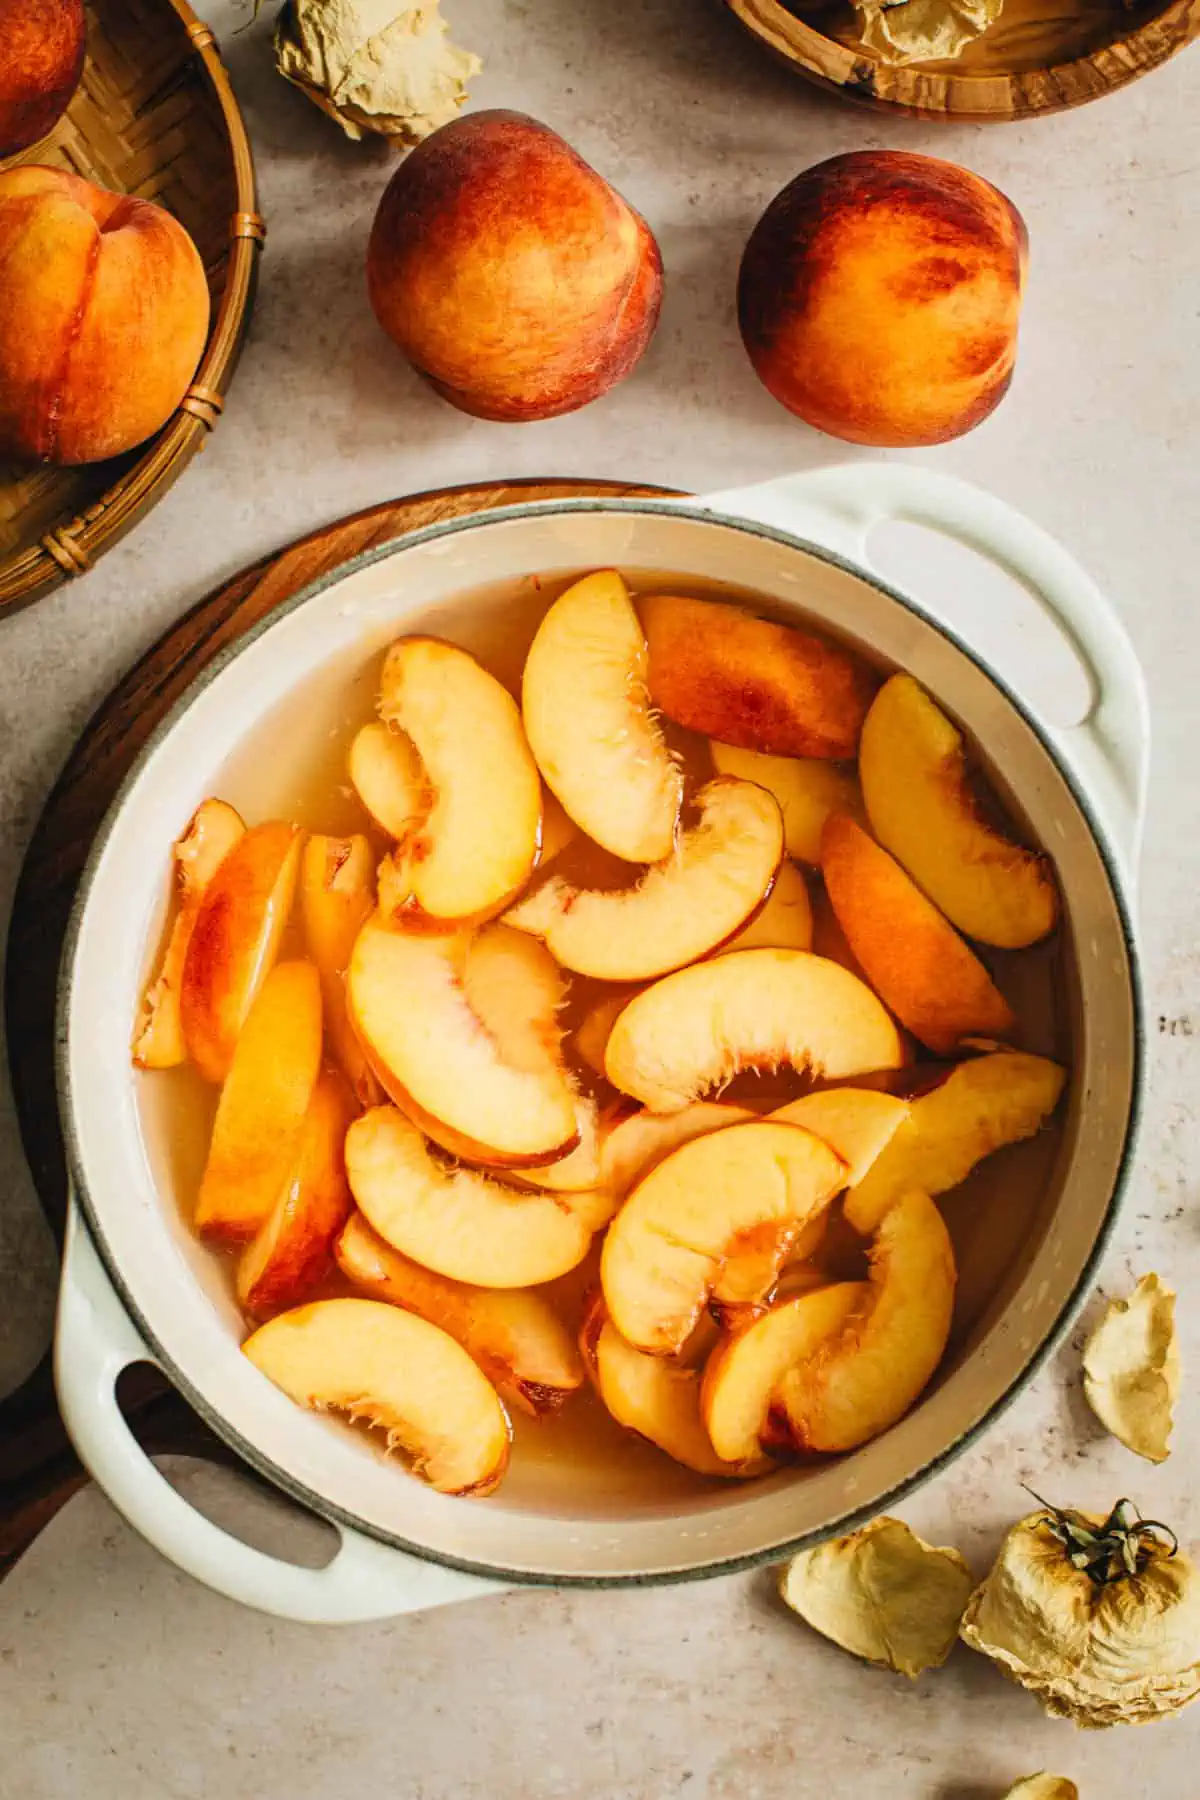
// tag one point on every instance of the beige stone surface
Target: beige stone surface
(120, 1679)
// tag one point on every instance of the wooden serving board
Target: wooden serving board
(38, 1468)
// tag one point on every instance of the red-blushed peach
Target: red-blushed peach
(41, 60)
(510, 273)
(103, 317)
(880, 294)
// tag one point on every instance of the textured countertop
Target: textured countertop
(122, 1680)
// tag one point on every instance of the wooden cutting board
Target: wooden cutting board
(38, 1468)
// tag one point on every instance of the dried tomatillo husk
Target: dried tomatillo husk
(375, 65)
(1131, 1369)
(1099, 1617)
(1043, 1787)
(905, 31)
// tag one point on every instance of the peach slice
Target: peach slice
(590, 725)
(399, 1373)
(478, 842)
(633, 1145)
(558, 830)
(918, 794)
(234, 941)
(389, 779)
(704, 1203)
(488, 1100)
(517, 1339)
(458, 1222)
(717, 669)
(860, 1382)
(807, 788)
(747, 1366)
(292, 1251)
(913, 957)
(581, 1170)
(784, 923)
(656, 1397)
(981, 1106)
(337, 896)
(858, 1123)
(257, 1130)
(719, 873)
(753, 1009)
(213, 831)
(590, 1037)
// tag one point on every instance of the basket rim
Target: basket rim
(72, 548)
(960, 97)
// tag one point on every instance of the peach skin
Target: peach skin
(912, 956)
(40, 68)
(511, 275)
(879, 297)
(103, 317)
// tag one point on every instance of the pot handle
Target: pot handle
(837, 508)
(95, 1340)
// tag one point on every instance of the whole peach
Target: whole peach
(103, 317)
(879, 297)
(511, 275)
(41, 60)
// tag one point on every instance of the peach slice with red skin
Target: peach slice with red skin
(696, 1210)
(477, 843)
(292, 1251)
(918, 794)
(491, 1090)
(808, 789)
(981, 1106)
(656, 1397)
(913, 957)
(758, 685)
(261, 1112)
(459, 1222)
(212, 832)
(861, 1381)
(399, 1373)
(337, 896)
(389, 779)
(515, 1336)
(234, 941)
(746, 1367)
(719, 874)
(753, 1009)
(588, 717)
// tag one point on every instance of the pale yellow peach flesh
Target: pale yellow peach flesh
(695, 1210)
(389, 780)
(234, 941)
(399, 1373)
(858, 1123)
(588, 718)
(807, 789)
(633, 1145)
(456, 1221)
(292, 1251)
(261, 1112)
(337, 896)
(516, 1337)
(211, 834)
(784, 923)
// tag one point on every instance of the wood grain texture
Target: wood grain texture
(154, 116)
(1042, 57)
(38, 1468)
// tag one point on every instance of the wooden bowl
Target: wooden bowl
(154, 116)
(1041, 57)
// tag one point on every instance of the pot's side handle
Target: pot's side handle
(96, 1340)
(838, 508)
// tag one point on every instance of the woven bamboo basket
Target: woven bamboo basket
(154, 116)
(1041, 57)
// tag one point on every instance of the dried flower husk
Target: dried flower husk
(908, 31)
(1043, 1787)
(374, 67)
(883, 1594)
(1100, 1618)
(1131, 1369)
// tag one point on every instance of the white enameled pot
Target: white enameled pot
(137, 1286)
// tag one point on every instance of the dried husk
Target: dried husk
(374, 66)
(908, 31)
(1131, 1369)
(883, 1594)
(1043, 1787)
(1101, 1647)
